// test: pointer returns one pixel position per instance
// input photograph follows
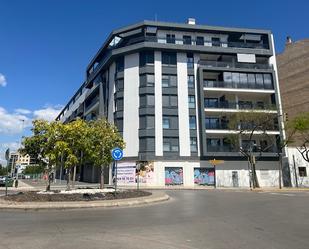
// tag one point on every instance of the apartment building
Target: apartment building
(19, 161)
(170, 89)
(293, 68)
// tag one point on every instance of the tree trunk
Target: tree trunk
(68, 180)
(74, 176)
(102, 177)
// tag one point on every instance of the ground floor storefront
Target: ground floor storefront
(195, 173)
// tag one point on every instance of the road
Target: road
(204, 219)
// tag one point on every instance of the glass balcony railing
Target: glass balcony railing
(227, 64)
(240, 105)
(222, 148)
(216, 126)
(239, 85)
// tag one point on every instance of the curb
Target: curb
(153, 198)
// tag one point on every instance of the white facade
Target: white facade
(297, 163)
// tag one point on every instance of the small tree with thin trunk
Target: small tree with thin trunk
(248, 125)
(104, 137)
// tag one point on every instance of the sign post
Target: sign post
(117, 155)
(7, 157)
(214, 163)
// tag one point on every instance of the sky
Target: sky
(45, 45)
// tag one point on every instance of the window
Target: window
(193, 144)
(166, 122)
(169, 58)
(147, 144)
(170, 144)
(200, 40)
(211, 102)
(251, 80)
(302, 171)
(147, 122)
(120, 64)
(147, 80)
(145, 58)
(267, 81)
(235, 78)
(119, 84)
(119, 105)
(169, 101)
(169, 80)
(187, 40)
(259, 81)
(119, 124)
(215, 42)
(147, 100)
(170, 38)
(243, 79)
(212, 123)
(192, 122)
(190, 61)
(191, 81)
(213, 144)
(191, 100)
(227, 77)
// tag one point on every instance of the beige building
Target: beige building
(17, 159)
(293, 68)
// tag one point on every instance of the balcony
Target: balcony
(217, 126)
(237, 85)
(241, 105)
(226, 64)
(222, 148)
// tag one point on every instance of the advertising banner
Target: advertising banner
(146, 174)
(126, 173)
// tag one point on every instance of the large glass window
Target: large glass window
(193, 144)
(147, 122)
(169, 58)
(227, 77)
(191, 101)
(170, 144)
(251, 80)
(213, 144)
(212, 123)
(146, 58)
(211, 102)
(235, 78)
(147, 100)
(215, 42)
(191, 81)
(243, 80)
(268, 81)
(192, 122)
(259, 81)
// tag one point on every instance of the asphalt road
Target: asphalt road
(192, 219)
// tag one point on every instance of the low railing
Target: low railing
(239, 85)
(241, 106)
(220, 149)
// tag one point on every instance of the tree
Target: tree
(104, 137)
(301, 126)
(248, 125)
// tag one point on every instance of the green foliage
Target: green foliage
(2, 170)
(33, 169)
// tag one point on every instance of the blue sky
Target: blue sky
(45, 45)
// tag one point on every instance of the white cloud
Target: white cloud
(23, 111)
(12, 123)
(13, 146)
(2, 80)
(47, 113)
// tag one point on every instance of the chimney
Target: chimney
(191, 21)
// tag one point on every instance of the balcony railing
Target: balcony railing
(240, 105)
(222, 148)
(225, 84)
(226, 64)
(216, 126)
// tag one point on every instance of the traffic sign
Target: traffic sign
(216, 162)
(117, 154)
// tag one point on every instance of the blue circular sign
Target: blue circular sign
(117, 154)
